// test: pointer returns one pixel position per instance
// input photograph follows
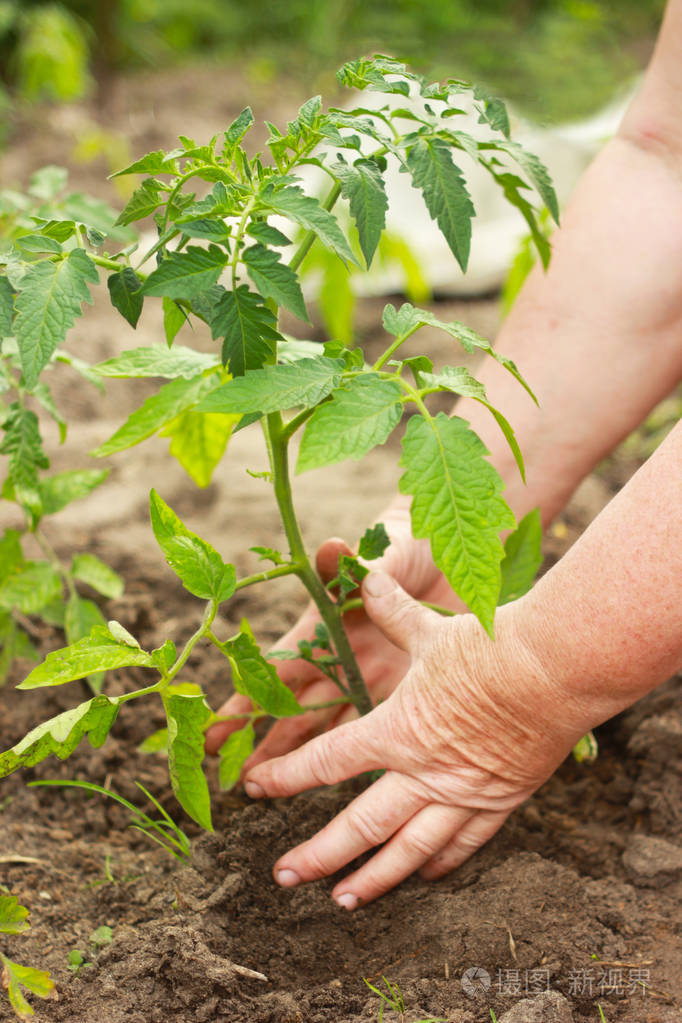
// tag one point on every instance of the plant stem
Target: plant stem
(393, 348)
(310, 236)
(270, 573)
(279, 463)
(356, 603)
(203, 630)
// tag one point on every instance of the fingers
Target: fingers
(403, 620)
(412, 845)
(467, 841)
(368, 821)
(332, 757)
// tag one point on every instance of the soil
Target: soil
(578, 895)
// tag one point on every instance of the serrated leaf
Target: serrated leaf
(522, 558)
(47, 305)
(61, 734)
(350, 575)
(42, 393)
(274, 279)
(492, 111)
(6, 307)
(156, 162)
(198, 441)
(303, 209)
(511, 186)
(457, 505)
(99, 651)
(15, 976)
(89, 569)
(373, 542)
(187, 273)
(233, 753)
(157, 361)
(23, 445)
(304, 382)
(164, 656)
(124, 288)
(58, 491)
(169, 401)
(359, 416)
(254, 677)
(201, 569)
(187, 717)
(363, 186)
(81, 617)
(445, 194)
(266, 234)
(237, 130)
(174, 318)
(537, 173)
(142, 203)
(211, 230)
(38, 243)
(248, 329)
(404, 321)
(13, 917)
(269, 554)
(30, 586)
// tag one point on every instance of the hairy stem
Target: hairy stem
(329, 611)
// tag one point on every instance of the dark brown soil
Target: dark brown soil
(578, 894)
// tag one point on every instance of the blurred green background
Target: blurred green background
(556, 59)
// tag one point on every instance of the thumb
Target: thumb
(402, 620)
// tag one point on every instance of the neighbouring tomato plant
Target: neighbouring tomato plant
(225, 221)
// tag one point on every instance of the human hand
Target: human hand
(381, 662)
(473, 729)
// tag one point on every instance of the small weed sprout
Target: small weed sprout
(394, 1000)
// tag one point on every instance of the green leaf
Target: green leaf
(47, 182)
(407, 319)
(276, 388)
(198, 441)
(10, 552)
(99, 651)
(350, 575)
(23, 444)
(269, 554)
(14, 977)
(201, 569)
(310, 214)
(156, 162)
(537, 173)
(266, 234)
(30, 586)
(124, 288)
(363, 186)
(142, 203)
(13, 917)
(50, 299)
(58, 491)
(522, 558)
(233, 753)
(43, 394)
(174, 318)
(187, 273)
(445, 194)
(89, 569)
(457, 505)
(511, 186)
(491, 111)
(359, 416)
(38, 243)
(157, 742)
(81, 617)
(275, 279)
(187, 717)
(61, 734)
(373, 542)
(6, 307)
(101, 936)
(14, 643)
(248, 329)
(237, 130)
(157, 361)
(164, 656)
(169, 401)
(254, 677)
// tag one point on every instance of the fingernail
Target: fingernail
(254, 790)
(287, 878)
(347, 900)
(378, 584)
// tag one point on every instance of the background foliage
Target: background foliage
(556, 58)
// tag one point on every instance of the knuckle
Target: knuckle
(370, 830)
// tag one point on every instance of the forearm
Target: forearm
(605, 622)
